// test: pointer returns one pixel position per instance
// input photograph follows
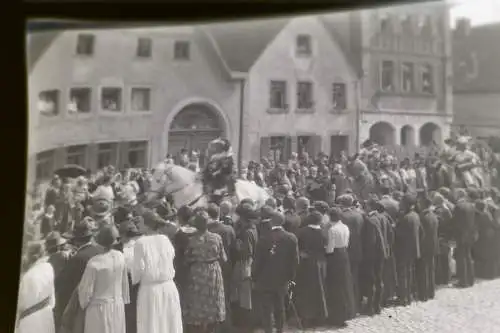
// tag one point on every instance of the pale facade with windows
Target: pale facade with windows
(122, 97)
(406, 97)
(300, 94)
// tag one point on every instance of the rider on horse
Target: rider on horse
(219, 171)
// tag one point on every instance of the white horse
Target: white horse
(186, 187)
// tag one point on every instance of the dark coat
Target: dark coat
(373, 238)
(228, 238)
(276, 261)
(73, 271)
(464, 223)
(430, 242)
(354, 221)
(409, 231)
(293, 222)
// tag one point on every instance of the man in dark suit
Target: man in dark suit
(407, 247)
(391, 206)
(374, 256)
(82, 239)
(353, 219)
(276, 261)
(426, 283)
(465, 235)
(389, 272)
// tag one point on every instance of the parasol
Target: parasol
(71, 171)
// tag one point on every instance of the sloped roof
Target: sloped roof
(476, 60)
(36, 45)
(241, 43)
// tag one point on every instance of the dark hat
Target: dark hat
(289, 203)
(315, 217)
(246, 211)
(266, 212)
(107, 235)
(335, 214)
(321, 206)
(87, 227)
(54, 239)
(345, 200)
(277, 219)
(247, 201)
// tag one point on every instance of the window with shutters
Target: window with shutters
(279, 148)
(385, 23)
(85, 44)
(304, 46)
(105, 154)
(141, 99)
(387, 76)
(44, 165)
(305, 95)
(137, 154)
(406, 24)
(111, 99)
(427, 79)
(181, 50)
(339, 96)
(278, 98)
(76, 155)
(407, 77)
(79, 100)
(144, 47)
(48, 102)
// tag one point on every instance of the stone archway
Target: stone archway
(193, 127)
(407, 136)
(383, 133)
(430, 133)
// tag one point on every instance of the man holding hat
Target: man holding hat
(276, 261)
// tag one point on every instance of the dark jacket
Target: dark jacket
(293, 222)
(373, 238)
(430, 242)
(228, 238)
(276, 261)
(464, 223)
(73, 271)
(391, 206)
(409, 231)
(354, 221)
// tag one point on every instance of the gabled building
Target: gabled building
(476, 67)
(298, 93)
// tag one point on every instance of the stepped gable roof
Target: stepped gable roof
(241, 43)
(476, 60)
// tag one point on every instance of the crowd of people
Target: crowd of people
(320, 252)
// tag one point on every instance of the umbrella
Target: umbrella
(71, 171)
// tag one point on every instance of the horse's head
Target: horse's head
(169, 178)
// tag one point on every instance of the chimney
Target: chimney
(462, 28)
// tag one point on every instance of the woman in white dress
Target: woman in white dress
(103, 290)
(36, 294)
(158, 304)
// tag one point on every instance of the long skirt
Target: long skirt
(204, 299)
(339, 288)
(158, 308)
(310, 296)
(107, 317)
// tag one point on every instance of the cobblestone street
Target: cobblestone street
(475, 309)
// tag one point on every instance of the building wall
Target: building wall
(173, 84)
(399, 107)
(278, 62)
(478, 112)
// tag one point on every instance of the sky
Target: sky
(478, 11)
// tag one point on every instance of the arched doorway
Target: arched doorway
(193, 128)
(407, 136)
(382, 133)
(430, 133)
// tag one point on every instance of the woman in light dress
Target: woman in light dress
(158, 304)
(36, 294)
(103, 290)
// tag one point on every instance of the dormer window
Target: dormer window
(304, 47)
